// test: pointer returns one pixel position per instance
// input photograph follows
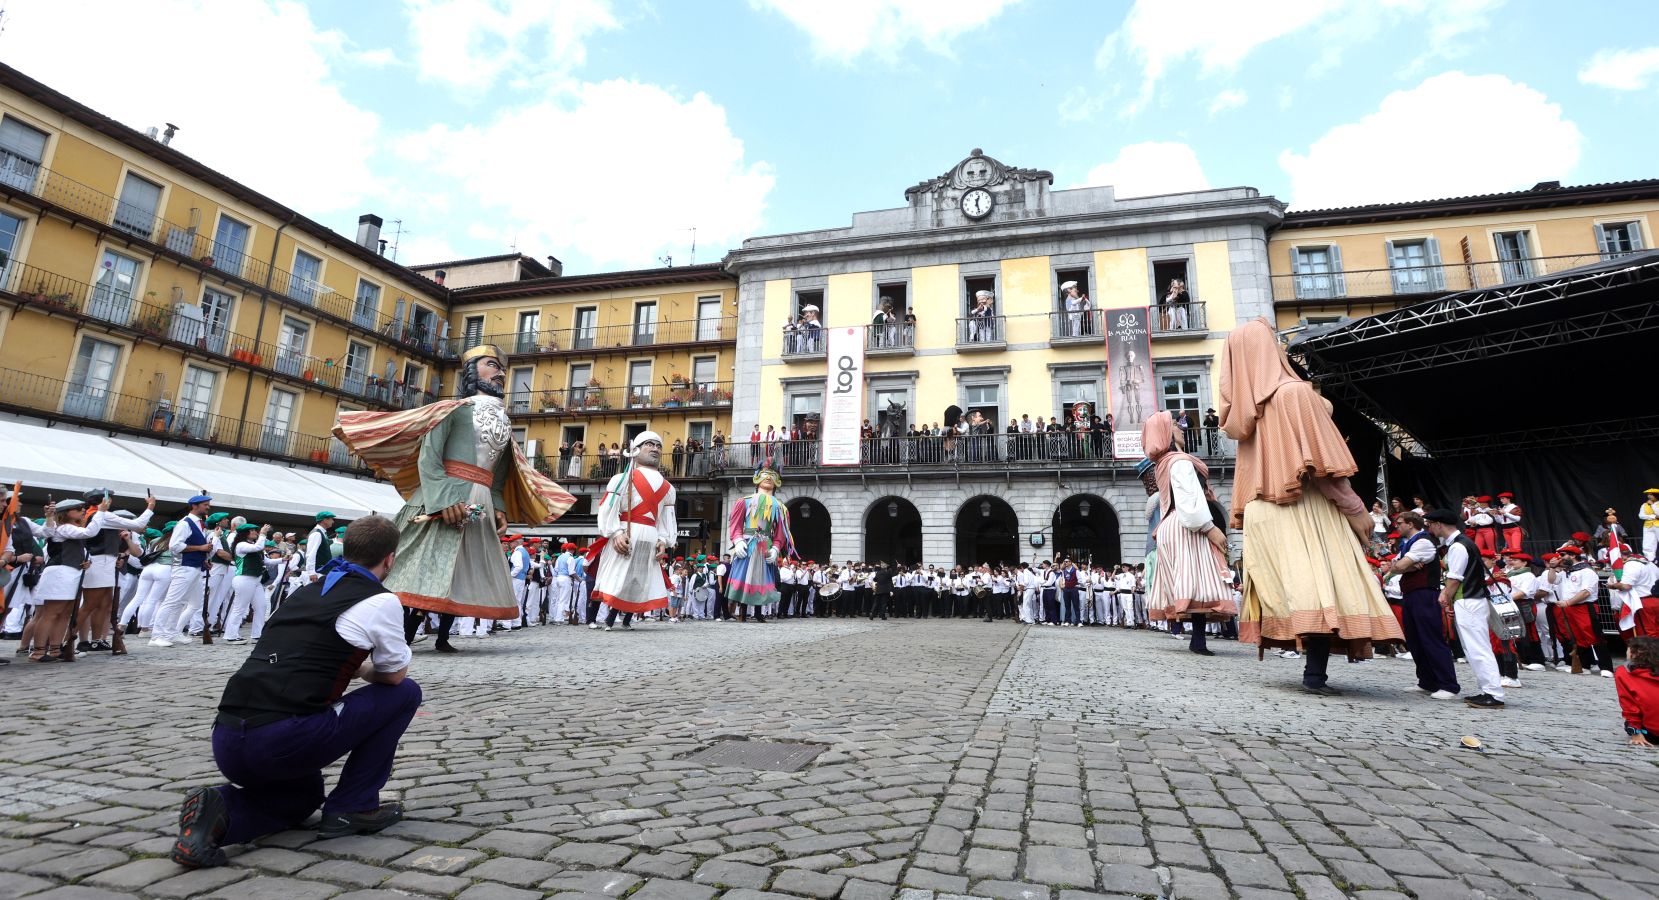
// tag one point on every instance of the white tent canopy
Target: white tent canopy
(68, 461)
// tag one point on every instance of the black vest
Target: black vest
(301, 665)
(1426, 578)
(1474, 577)
(253, 564)
(23, 538)
(107, 543)
(325, 551)
(65, 553)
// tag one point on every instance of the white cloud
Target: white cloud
(1080, 105)
(1148, 168)
(470, 45)
(573, 172)
(849, 29)
(1384, 157)
(1622, 70)
(275, 119)
(1231, 98)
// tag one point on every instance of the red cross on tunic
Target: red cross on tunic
(646, 500)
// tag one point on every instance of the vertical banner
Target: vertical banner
(843, 395)
(1129, 393)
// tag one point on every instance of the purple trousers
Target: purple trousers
(276, 770)
(1425, 630)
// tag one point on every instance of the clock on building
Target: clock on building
(977, 203)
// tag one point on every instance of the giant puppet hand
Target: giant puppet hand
(740, 550)
(772, 555)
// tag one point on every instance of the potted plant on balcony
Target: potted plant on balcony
(155, 322)
(549, 400)
(722, 395)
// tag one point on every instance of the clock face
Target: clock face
(976, 204)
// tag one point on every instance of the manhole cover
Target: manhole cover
(768, 756)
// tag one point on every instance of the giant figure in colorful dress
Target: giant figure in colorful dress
(758, 530)
(463, 479)
(636, 519)
(1305, 530)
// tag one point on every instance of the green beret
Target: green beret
(340, 530)
(169, 526)
(325, 514)
(151, 533)
(217, 517)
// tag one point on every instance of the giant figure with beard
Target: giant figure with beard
(463, 479)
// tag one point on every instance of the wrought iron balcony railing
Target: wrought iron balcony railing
(598, 339)
(1407, 282)
(1082, 327)
(997, 451)
(982, 333)
(1179, 318)
(597, 400)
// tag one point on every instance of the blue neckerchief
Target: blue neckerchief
(338, 568)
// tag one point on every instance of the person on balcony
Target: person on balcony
(810, 337)
(463, 478)
(982, 327)
(1079, 317)
(1176, 303)
(884, 325)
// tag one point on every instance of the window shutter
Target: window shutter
(1522, 246)
(1601, 242)
(1401, 278)
(1339, 285)
(1297, 290)
(397, 317)
(1437, 270)
(1635, 235)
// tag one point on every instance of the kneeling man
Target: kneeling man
(283, 718)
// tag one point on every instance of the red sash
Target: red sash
(646, 500)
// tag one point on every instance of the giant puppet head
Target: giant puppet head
(482, 372)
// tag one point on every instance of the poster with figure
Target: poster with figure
(1129, 389)
(843, 395)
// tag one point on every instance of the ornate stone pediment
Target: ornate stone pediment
(976, 171)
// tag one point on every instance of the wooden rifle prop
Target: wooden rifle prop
(207, 618)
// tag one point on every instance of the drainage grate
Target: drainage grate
(767, 756)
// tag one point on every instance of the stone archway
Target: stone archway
(809, 525)
(1086, 529)
(987, 531)
(893, 532)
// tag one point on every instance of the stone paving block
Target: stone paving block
(856, 889)
(269, 887)
(997, 837)
(527, 844)
(82, 892)
(1011, 890)
(751, 894)
(884, 872)
(1059, 865)
(661, 865)
(199, 881)
(275, 859)
(809, 884)
(77, 864)
(605, 883)
(487, 891)
(426, 883)
(987, 863)
(665, 889)
(439, 860)
(140, 873)
(1125, 879)
(595, 855)
(515, 871)
(935, 881)
(1253, 870)
(1057, 834)
(345, 871)
(732, 874)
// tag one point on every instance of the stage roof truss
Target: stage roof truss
(1607, 431)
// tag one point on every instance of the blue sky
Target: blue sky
(601, 131)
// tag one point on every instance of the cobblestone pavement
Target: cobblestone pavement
(962, 759)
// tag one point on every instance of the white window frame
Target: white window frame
(123, 216)
(715, 321)
(1634, 228)
(1424, 277)
(188, 409)
(225, 264)
(366, 315)
(1318, 285)
(304, 288)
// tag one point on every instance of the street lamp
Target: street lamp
(892, 509)
(985, 508)
(1083, 508)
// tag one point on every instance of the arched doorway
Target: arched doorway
(893, 532)
(809, 525)
(987, 531)
(1086, 529)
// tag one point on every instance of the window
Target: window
(1075, 392)
(708, 318)
(215, 319)
(365, 310)
(1514, 255)
(971, 288)
(1318, 272)
(10, 228)
(985, 399)
(22, 147)
(881, 400)
(413, 377)
(639, 383)
(529, 327)
(570, 434)
(803, 407)
(645, 323)
(114, 287)
(135, 212)
(337, 453)
(587, 328)
(308, 276)
(520, 435)
(579, 376)
(423, 327)
(1061, 276)
(804, 299)
(703, 374)
(291, 346)
(358, 366)
(230, 245)
(196, 400)
(519, 397)
(1618, 238)
(91, 379)
(472, 333)
(279, 419)
(1179, 393)
(1416, 266)
(702, 432)
(630, 431)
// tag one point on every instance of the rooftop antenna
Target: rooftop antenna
(397, 232)
(667, 261)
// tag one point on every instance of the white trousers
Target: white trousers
(182, 601)
(560, 607)
(1126, 609)
(1650, 543)
(1031, 606)
(152, 587)
(521, 596)
(247, 595)
(22, 598)
(220, 591)
(1546, 640)
(1474, 632)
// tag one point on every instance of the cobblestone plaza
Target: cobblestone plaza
(960, 758)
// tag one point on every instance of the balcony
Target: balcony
(1067, 328)
(802, 343)
(890, 340)
(597, 340)
(977, 333)
(1412, 283)
(91, 405)
(82, 203)
(1180, 320)
(180, 325)
(948, 454)
(595, 400)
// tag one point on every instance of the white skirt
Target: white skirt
(101, 574)
(58, 583)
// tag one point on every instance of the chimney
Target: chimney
(382, 246)
(438, 276)
(368, 230)
(167, 136)
(554, 266)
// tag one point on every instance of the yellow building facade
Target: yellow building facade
(1348, 263)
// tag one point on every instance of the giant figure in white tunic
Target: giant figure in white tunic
(637, 525)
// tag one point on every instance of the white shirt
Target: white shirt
(1457, 565)
(315, 541)
(376, 625)
(1524, 583)
(1578, 582)
(1192, 509)
(181, 533)
(1421, 551)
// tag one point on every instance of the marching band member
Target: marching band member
(190, 547)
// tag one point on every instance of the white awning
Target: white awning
(68, 461)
